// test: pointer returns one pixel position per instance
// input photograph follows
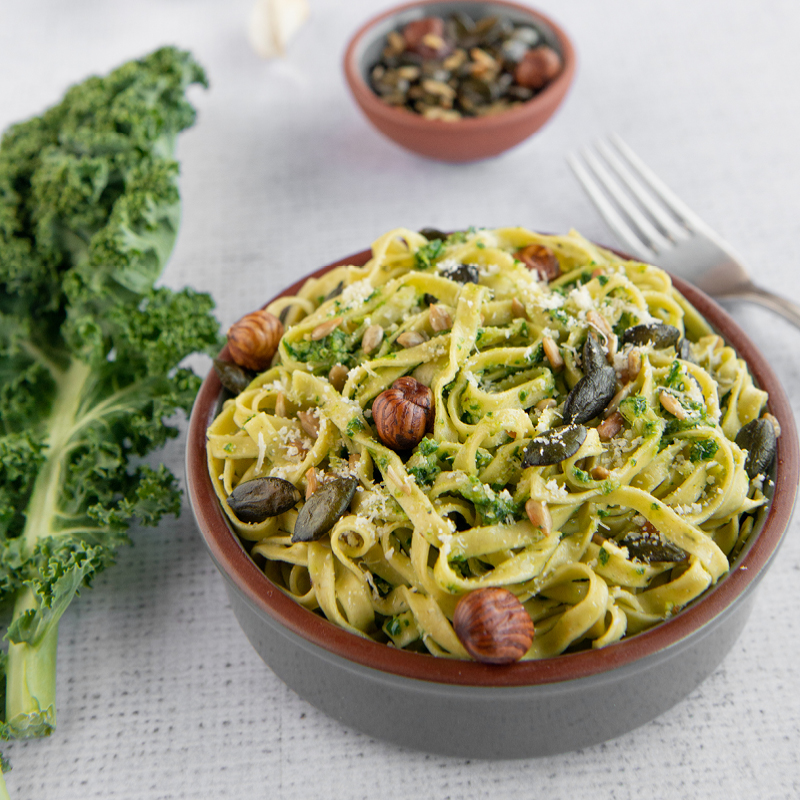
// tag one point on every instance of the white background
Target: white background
(159, 693)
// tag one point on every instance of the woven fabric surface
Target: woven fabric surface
(160, 696)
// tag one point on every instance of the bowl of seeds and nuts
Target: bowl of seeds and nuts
(459, 81)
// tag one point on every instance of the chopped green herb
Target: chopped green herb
(637, 404)
(703, 450)
(581, 475)
(426, 256)
(674, 379)
(336, 348)
(356, 425)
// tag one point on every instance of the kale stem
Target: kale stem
(31, 669)
(31, 682)
(44, 500)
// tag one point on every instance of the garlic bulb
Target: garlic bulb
(273, 23)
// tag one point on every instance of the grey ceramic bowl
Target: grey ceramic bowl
(468, 709)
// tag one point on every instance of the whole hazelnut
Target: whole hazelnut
(537, 67)
(493, 626)
(253, 340)
(403, 414)
(541, 260)
(426, 37)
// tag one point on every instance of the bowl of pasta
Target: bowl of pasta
(491, 493)
(459, 81)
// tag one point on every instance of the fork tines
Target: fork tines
(634, 202)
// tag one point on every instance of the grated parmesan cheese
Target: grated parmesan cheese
(581, 298)
(356, 293)
(262, 452)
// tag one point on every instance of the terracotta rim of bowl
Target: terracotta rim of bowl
(409, 119)
(234, 562)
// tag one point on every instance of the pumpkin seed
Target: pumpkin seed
(554, 445)
(324, 509)
(659, 334)
(648, 546)
(459, 66)
(256, 500)
(590, 395)
(336, 291)
(233, 377)
(432, 234)
(463, 273)
(758, 438)
(685, 350)
(593, 356)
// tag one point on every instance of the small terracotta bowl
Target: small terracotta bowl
(470, 139)
(468, 709)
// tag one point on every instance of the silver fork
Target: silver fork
(657, 227)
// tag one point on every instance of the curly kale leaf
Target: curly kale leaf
(90, 350)
(324, 353)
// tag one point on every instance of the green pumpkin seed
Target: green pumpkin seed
(659, 334)
(463, 273)
(590, 395)
(233, 377)
(554, 445)
(336, 291)
(758, 438)
(324, 509)
(432, 234)
(648, 547)
(593, 356)
(685, 350)
(257, 500)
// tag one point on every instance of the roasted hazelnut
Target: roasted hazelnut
(541, 260)
(253, 340)
(493, 626)
(426, 37)
(537, 67)
(403, 414)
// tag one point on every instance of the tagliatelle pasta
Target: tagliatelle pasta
(638, 521)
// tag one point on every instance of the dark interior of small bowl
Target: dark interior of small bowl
(232, 559)
(373, 42)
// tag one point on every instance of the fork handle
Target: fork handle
(755, 294)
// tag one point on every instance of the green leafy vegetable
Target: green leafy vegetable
(494, 508)
(703, 450)
(424, 463)
(335, 348)
(425, 257)
(89, 349)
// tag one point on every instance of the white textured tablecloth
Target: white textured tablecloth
(159, 693)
